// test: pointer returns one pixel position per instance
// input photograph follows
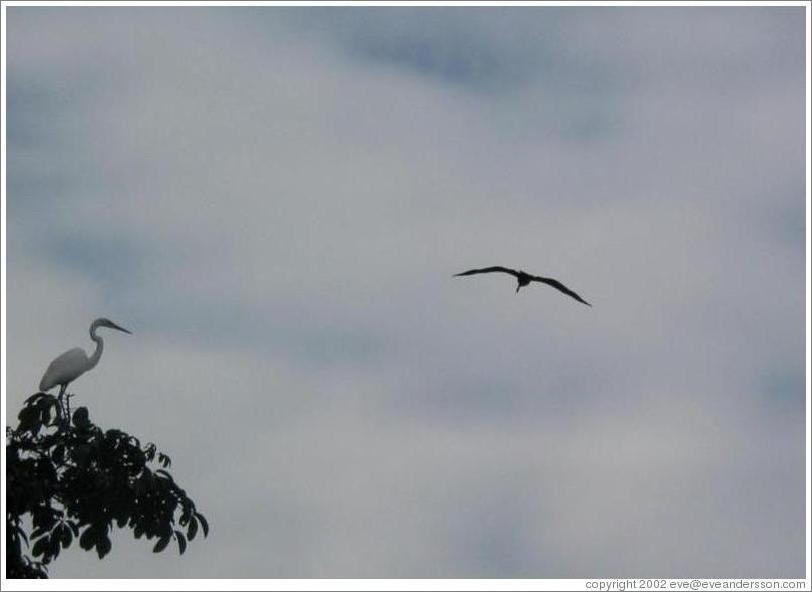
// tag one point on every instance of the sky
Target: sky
(274, 201)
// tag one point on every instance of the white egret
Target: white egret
(75, 362)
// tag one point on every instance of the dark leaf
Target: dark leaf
(203, 522)
(164, 474)
(35, 397)
(40, 546)
(30, 419)
(53, 549)
(66, 536)
(46, 404)
(161, 544)
(88, 538)
(192, 530)
(103, 544)
(25, 412)
(181, 541)
(47, 401)
(81, 418)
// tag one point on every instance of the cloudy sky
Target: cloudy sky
(274, 202)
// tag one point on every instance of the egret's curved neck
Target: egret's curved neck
(94, 359)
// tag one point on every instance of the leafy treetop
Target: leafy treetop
(75, 481)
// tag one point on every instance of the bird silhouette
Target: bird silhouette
(524, 279)
(73, 363)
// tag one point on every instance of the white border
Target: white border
(368, 584)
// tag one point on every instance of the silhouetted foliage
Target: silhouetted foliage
(67, 479)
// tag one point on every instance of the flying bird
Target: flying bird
(75, 362)
(524, 279)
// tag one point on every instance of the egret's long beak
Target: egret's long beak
(114, 326)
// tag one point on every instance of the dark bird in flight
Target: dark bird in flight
(525, 278)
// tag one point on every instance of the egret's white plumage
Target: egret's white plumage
(73, 363)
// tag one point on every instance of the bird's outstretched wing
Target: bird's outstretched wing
(497, 268)
(560, 287)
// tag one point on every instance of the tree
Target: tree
(68, 479)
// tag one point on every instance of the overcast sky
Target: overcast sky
(274, 201)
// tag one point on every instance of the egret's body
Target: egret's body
(73, 363)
